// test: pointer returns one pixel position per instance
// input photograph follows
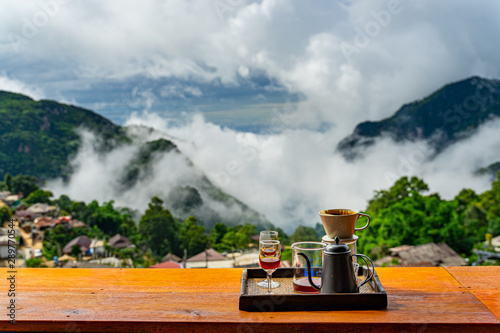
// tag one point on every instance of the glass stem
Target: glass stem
(269, 282)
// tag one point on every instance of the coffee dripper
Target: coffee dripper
(338, 273)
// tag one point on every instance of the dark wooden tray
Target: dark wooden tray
(372, 295)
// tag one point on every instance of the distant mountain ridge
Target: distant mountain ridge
(40, 138)
(443, 118)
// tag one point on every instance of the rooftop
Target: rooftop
(208, 255)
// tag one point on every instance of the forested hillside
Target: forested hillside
(450, 114)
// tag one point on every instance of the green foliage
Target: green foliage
(142, 162)
(75, 251)
(107, 218)
(5, 214)
(403, 188)
(24, 184)
(286, 254)
(435, 114)
(64, 202)
(303, 233)
(283, 237)
(218, 232)
(39, 195)
(40, 136)
(55, 239)
(402, 215)
(192, 236)
(185, 199)
(158, 229)
(237, 237)
(8, 182)
(35, 263)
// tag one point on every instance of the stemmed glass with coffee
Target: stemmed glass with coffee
(269, 258)
(268, 235)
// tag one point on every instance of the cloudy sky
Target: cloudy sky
(271, 84)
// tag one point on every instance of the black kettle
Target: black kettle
(338, 274)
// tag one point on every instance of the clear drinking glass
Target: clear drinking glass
(313, 251)
(268, 235)
(269, 258)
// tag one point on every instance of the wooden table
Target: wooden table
(438, 299)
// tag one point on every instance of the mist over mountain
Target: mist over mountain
(451, 114)
(286, 174)
(77, 152)
(38, 137)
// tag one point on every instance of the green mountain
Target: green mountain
(41, 138)
(450, 114)
(38, 137)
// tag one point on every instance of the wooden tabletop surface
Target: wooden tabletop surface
(206, 300)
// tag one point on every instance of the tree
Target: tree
(237, 237)
(192, 236)
(8, 181)
(5, 214)
(64, 203)
(216, 236)
(303, 233)
(403, 188)
(106, 217)
(158, 229)
(24, 184)
(35, 263)
(39, 195)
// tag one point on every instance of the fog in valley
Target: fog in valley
(257, 94)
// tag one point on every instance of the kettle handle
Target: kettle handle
(368, 263)
(308, 264)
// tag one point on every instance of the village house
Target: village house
(41, 209)
(425, 255)
(119, 242)
(82, 241)
(97, 248)
(24, 215)
(44, 222)
(171, 257)
(209, 259)
(168, 264)
(12, 200)
(4, 247)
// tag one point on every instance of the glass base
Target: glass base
(263, 284)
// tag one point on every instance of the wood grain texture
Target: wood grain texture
(482, 282)
(205, 300)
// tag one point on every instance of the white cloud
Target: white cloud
(291, 172)
(13, 85)
(291, 176)
(416, 49)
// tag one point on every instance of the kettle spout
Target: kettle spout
(309, 275)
